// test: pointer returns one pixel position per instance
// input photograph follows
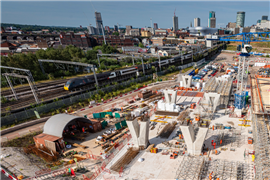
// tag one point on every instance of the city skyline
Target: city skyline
(126, 13)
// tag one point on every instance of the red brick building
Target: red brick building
(77, 39)
(116, 40)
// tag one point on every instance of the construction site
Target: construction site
(209, 123)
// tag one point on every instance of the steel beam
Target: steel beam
(29, 81)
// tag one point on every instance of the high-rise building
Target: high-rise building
(240, 19)
(197, 22)
(265, 18)
(190, 24)
(91, 30)
(212, 14)
(212, 22)
(259, 21)
(99, 24)
(155, 26)
(175, 23)
(115, 28)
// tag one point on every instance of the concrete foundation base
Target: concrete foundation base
(238, 112)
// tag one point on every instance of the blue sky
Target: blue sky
(137, 14)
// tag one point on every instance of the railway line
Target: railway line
(27, 90)
(47, 92)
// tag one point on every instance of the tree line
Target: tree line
(28, 28)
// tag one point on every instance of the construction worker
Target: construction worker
(72, 133)
(213, 127)
(71, 172)
(220, 141)
(83, 130)
(74, 126)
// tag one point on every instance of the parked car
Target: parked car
(99, 138)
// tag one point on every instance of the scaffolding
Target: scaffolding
(190, 168)
(200, 168)
(261, 146)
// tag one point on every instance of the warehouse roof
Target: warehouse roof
(56, 124)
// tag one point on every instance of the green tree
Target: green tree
(115, 33)
(141, 45)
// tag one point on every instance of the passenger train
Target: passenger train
(123, 74)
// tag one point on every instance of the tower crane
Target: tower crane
(242, 74)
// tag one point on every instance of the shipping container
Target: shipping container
(95, 126)
(145, 94)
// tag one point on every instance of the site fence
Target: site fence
(110, 155)
(20, 116)
(61, 169)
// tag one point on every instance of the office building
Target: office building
(197, 22)
(128, 28)
(175, 23)
(99, 24)
(161, 32)
(155, 26)
(212, 14)
(115, 28)
(240, 19)
(146, 33)
(212, 22)
(265, 18)
(134, 32)
(152, 30)
(264, 25)
(91, 30)
(202, 31)
(190, 24)
(231, 25)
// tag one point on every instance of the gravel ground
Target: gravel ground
(21, 163)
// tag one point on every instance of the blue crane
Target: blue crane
(242, 75)
(247, 38)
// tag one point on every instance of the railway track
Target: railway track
(26, 101)
(46, 93)
(27, 90)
